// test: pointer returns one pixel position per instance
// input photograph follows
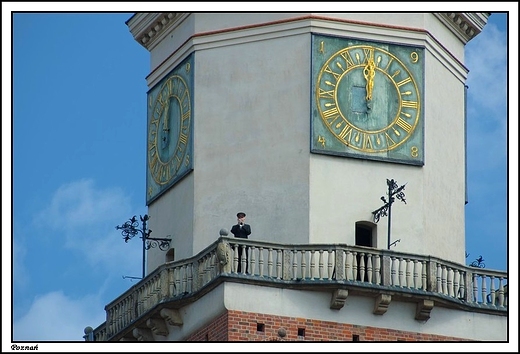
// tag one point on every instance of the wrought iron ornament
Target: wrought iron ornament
(478, 263)
(131, 228)
(394, 191)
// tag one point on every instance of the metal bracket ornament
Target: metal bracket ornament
(394, 191)
(131, 228)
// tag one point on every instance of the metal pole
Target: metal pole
(389, 210)
(144, 253)
(143, 235)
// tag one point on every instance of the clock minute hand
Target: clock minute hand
(165, 135)
(369, 73)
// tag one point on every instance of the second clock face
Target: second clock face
(169, 145)
(367, 100)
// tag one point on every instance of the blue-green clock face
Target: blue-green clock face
(170, 117)
(367, 100)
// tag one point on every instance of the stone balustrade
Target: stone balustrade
(309, 265)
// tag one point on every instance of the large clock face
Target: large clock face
(169, 143)
(367, 100)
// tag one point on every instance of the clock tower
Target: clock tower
(300, 120)
(305, 121)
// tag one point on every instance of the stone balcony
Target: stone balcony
(384, 275)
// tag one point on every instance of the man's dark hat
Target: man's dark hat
(241, 215)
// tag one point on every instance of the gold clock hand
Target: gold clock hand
(369, 72)
(166, 116)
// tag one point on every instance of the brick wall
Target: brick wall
(214, 331)
(248, 326)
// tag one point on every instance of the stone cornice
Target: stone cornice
(465, 25)
(148, 27)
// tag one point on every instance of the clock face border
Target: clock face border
(329, 63)
(183, 74)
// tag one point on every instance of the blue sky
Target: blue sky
(78, 133)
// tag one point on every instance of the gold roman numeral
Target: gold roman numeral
(367, 143)
(330, 115)
(403, 82)
(329, 70)
(410, 104)
(346, 132)
(326, 94)
(183, 139)
(369, 54)
(407, 127)
(348, 59)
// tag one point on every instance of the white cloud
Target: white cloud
(19, 254)
(486, 56)
(84, 218)
(487, 79)
(79, 204)
(54, 316)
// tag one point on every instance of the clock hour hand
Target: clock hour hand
(166, 116)
(166, 129)
(369, 72)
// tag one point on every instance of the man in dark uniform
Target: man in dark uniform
(241, 230)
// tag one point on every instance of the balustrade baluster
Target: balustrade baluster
(361, 267)
(415, 274)
(261, 261)
(252, 263)
(450, 281)
(424, 282)
(207, 270)
(492, 289)
(151, 293)
(439, 280)
(146, 293)
(408, 276)
(354, 266)
(456, 277)
(320, 265)
(279, 255)
(235, 258)
(461, 294)
(402, 265)
(190, 278)
(182, 274)
(213, 265)
(142, 297)
(313, 265)
(124, 311)
(393, 271)
(444, 277)
(484, 288)
(329, 265)
(155, 290)
(270, 263)
(500, 292)
(243, 259)
(178, 280)
(110, 321)
(171, 283)
(348, 266)
(294, 254)
(118, 317)
(475, 288)
(130, 309)
(304, 264)
(369, 268)
(377, 270)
